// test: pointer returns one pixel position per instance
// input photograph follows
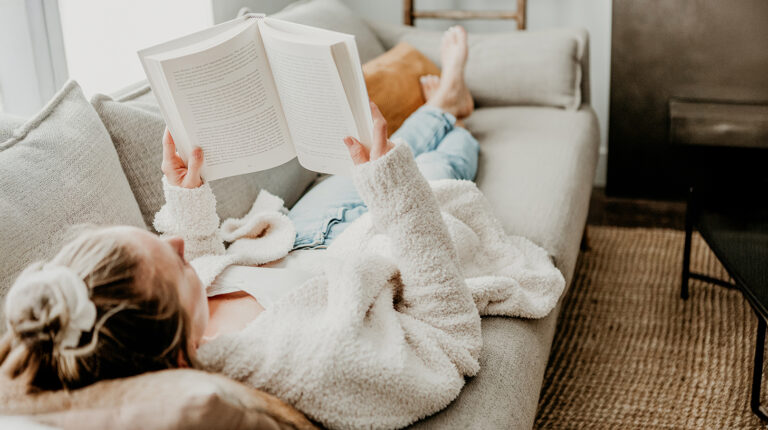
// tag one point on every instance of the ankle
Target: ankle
(452, 75)
(443, 107)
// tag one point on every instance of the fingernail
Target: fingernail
(347, 141)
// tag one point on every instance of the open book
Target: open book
(255, 92)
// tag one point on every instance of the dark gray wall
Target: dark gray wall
(697, 49)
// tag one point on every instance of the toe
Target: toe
(450, 35)
(459, 35)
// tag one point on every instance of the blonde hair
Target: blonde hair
(139, 324)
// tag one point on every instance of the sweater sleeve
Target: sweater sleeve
(190, 213)
(403, 207)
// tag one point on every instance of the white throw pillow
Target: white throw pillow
(57, 170)
(8, 123)
(136, 127)
(531, 68)
(334, 15)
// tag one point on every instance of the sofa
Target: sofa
(97, 161)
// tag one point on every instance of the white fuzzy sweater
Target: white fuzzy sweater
(386, 335)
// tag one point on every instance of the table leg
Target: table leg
(687, 248)
(757, 372)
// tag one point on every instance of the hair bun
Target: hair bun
(50, 303)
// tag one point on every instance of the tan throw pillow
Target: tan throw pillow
(169, 399)
(393, 82)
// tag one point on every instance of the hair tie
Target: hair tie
(72, 298)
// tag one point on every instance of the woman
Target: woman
(382, 336)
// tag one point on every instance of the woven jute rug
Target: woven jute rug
(629, 353)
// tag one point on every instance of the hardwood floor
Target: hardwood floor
(626, 212)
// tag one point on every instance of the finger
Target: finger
(379, 130)
(12, 365)
(5, 346)
(195, 164)
(169, 146)
(356, 150)
(375, 111)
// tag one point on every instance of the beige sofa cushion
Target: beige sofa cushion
(334, 15)
(536, 168)
(58, 169)
(171, 399)
(542, 68)
(136, 128)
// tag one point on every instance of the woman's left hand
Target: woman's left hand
(176, 171)
(380, 146)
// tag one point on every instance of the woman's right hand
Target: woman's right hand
(176, 171)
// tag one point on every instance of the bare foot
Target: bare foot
(429, 86)
(452, 94)
(454, 51)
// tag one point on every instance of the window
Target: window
(45, 42)
(101, 37)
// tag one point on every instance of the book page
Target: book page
(150, 60)
(351, 73)
(313, 98)
(226, 98)
(344, 52)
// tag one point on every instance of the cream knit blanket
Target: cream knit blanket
(387, 334)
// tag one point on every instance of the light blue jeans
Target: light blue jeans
(442, 151)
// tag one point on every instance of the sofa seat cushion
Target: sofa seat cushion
(536, 167)
(57, 170)
(334, 15)
(136, 128)
(541, 68)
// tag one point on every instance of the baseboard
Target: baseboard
(602, 168)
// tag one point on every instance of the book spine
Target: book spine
(254, 16)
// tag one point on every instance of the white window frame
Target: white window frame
(34, 63)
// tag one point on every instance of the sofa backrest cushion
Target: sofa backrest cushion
(136, 127)
(58, 169)
(334, 15)
(540, 68)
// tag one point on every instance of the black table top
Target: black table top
(738, 235)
